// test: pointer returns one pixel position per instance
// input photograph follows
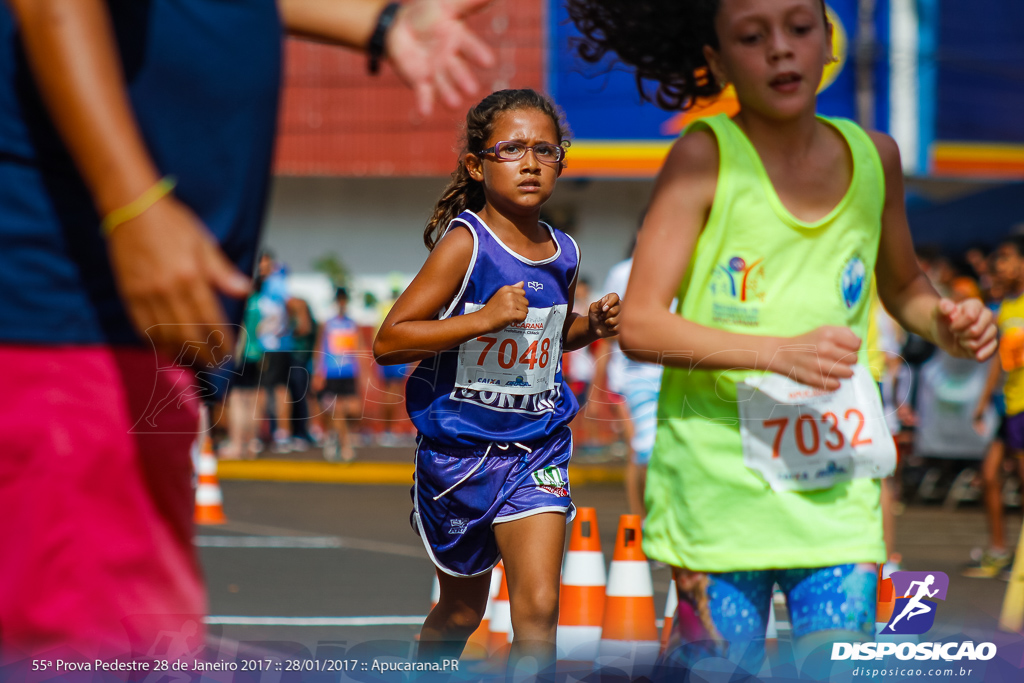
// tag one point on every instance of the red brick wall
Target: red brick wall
(337, 120)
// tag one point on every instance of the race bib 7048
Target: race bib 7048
(800, 438)
(520, 359)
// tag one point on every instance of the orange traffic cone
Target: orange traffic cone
(629, 636)
(477, 645)
(581, 599)
(671, 603)
(884, 608)
(886, 599)
(209, 501)
(501, 622)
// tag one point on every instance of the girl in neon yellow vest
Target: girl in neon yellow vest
(768, 226)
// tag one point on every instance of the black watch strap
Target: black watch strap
(376, 46)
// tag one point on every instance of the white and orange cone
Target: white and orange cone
(501, 622)
(209, 500)
(435, 593)
(581, 598)
(629, 636)
(477, 645)
(671, 603)
(771, 633)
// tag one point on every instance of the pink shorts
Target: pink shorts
(96, 502)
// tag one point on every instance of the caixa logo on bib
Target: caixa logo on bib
(907, 602)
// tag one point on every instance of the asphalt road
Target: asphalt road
(317, 569)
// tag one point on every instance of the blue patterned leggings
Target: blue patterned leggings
(726, 614)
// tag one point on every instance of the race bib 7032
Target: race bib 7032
(804, 439)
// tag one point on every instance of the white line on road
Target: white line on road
(317, 621)
(268, 542)
(204, 541)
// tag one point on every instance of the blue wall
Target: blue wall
(603, 104)
(980, 70)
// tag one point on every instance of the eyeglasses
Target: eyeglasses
(509, 150)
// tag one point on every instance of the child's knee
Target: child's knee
(461, 616)
(538, 606)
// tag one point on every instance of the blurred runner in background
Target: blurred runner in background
(1009, 270)
(336, 380)
(638, 383)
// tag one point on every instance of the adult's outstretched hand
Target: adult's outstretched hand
(432, 50)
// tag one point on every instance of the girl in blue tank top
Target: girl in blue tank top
(488, 317)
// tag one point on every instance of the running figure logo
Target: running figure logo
(914, 612)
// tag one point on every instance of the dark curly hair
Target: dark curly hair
(661, 41)
(463, 192)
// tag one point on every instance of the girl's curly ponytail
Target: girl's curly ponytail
(461, 193)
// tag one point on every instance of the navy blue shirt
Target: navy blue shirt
(203, 77)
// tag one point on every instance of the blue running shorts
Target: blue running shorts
(459, 494)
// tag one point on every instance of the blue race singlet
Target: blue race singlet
(505, 386)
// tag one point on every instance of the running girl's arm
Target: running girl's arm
(964, 329)
(429, 44)
(650, 332)
(412, 331)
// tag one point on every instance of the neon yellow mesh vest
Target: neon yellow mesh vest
(758, 270)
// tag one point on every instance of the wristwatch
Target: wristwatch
(375, 49)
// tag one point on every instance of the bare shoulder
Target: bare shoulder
(438, 280)
(695, 153)
(454, 249)
(690, 174)
(888, 151)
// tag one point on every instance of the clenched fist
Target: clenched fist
(507, 306)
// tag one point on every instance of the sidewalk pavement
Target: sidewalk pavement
(375, 464)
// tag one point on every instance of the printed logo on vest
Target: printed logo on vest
(535, 286)
(527, 404)
(851, 282)
(735, 285)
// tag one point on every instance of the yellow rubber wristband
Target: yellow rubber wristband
(139, 205)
